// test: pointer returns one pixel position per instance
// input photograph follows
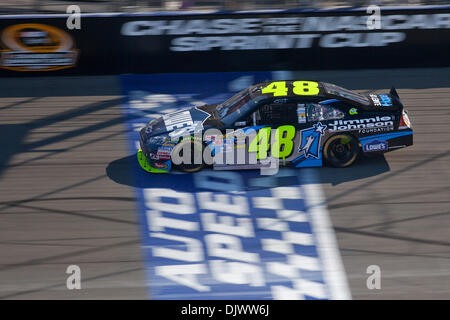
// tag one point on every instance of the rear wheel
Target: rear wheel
(341, 150)
(189, 163)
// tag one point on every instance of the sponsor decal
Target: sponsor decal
(310, 140)
(178, 120)
(375, 145)
(375, 99)
(213, 139)
(185, 122)
(164, 152)
(280, 100)
(385, 100)
(36, 47)
(375, 124)
(301, 113)
(381, 100)
(353, 111)
(160, 165)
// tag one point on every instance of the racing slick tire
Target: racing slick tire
(341, 150)
(196, 146)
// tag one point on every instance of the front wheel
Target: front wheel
(341, 150)
(193, 161)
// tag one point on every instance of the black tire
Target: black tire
(196, 146)
(341, 150)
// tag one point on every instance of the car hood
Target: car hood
(180, 123)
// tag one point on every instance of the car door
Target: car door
(290, 129)
(313, 132)
(280, 120)
(269, 130)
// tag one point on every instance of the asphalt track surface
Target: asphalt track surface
(59, 207)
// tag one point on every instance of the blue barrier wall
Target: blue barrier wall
(225, 41)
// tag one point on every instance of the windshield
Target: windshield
(155, 126)
(240, 104)
(345, 93)
(233, 103)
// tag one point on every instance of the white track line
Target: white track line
(334, 272)
(327, 247)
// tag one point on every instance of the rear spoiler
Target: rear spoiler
(393, 93)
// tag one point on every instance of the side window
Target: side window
(275, 114)
(319, 112)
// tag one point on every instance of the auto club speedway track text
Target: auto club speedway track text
(226, 218)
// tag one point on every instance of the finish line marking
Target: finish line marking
(327, 245)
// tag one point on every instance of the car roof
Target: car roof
(323, 93)
(289, 85)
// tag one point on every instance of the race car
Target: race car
(297, 122)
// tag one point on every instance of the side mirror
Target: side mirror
(240, 123)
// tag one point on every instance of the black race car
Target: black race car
(298, 123)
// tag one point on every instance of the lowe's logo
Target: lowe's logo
(375, 145)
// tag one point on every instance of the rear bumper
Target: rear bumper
(402, 140)
(387, 141)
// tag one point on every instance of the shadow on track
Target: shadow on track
(126, 171)
(13, 136)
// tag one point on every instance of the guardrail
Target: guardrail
(210, 42)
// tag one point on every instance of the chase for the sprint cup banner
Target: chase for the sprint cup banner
(226, 41)
(284, 32)
(298, 123)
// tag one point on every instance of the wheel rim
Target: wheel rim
(341, 152)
